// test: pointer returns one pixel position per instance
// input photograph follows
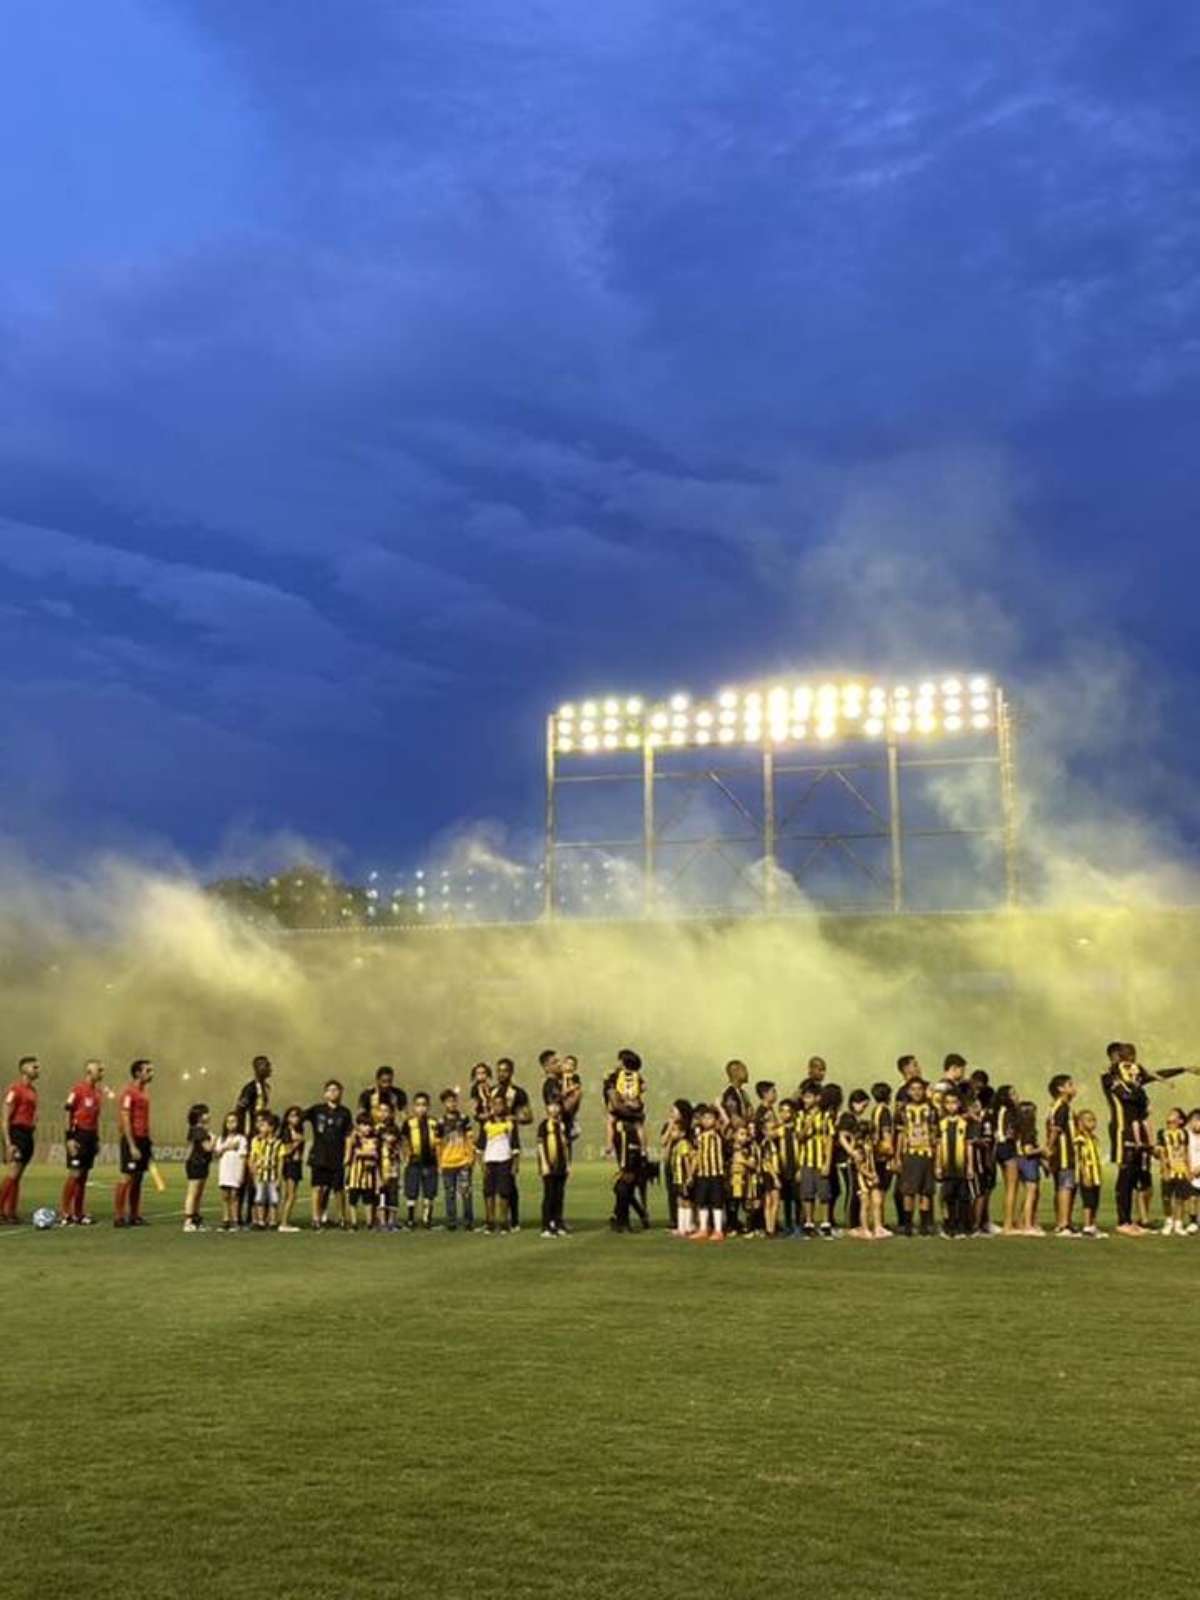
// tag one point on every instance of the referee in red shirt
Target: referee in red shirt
(20, 1124)
(83, 1107)
(136, 1149)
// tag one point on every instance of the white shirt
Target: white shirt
(231, 1169)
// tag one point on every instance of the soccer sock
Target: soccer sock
(718, 1221)
(684, 1217)
(411, 1206)
(135, 1197)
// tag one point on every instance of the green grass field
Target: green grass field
(450, 1415)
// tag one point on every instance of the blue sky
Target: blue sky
(375, 376)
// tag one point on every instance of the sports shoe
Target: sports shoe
(716, 1238)
(287, 1227)
(1192, 1227)
(86, 1222)
(547, 1233)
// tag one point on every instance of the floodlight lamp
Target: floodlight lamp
(826, 730)
(727, 717)
(727, 735)
(654, 740)
(703, 736)
(678, 736)
(981, 722)
(926, 724)
(953, 705)
(852, 711)
(590, 741)
(611, 741)
(704, 719)
(566, 713)
(951, 686)
(978, 686)
(753, 701)
(679, 720)
(587, 725)
(589, 708)
(873, 727)
(953, 724)
(799, 730)
(658, 720)
(632, 741)
(611, 707)
(901, 692)
(679, 702)
(902, 725)
(727, 698)
(980, 702)
(633, 707)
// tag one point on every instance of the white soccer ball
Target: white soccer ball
(45, 1217)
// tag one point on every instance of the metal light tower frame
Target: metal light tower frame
(890, 754)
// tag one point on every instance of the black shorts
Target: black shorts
(363, 1197)
(709, 1194)
(1006, 1151)
(21, 1140)
(331, 1178)
(87, 1147)
(1089, 1196)
(135, 1157)
(1177, 1189)
(985, 1174)
(293, 1171)
(389, 1193)
(916, 1177)
(1145, 1173)
(497, 1180)
(419, 1180)
(196, 1171)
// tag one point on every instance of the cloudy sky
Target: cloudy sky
(377, 375)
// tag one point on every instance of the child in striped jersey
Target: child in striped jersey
(709, 1183)
(1089, 1167)
(1175, 1171)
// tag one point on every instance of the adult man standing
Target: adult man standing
(20, 1125)
(383, 1092)
(814, 1077)
(735, 1101)
(517, 1101)
(83, 1106)
(1124, 1084)
(133, 1113)
(331, 1124)
(254, 1099)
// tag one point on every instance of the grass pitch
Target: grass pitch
(450, 1415)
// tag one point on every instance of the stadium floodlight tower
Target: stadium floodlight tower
(810, 733)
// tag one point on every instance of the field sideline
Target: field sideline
(449, 1416)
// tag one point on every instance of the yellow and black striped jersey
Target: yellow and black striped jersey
(682, 1162)
(362, 1163)
(1088, 1164)
(1173, 1153)
(818, 1137)
(267, 1151)
(917, 1125)
(953, 1146)
(710, 1154)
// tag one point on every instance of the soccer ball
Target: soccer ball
(45, 1217)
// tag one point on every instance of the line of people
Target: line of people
(811, 1165)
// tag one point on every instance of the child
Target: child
(766, 1114)
(813, 1187)
(709, 1182)
(982, 1116)
(853, 1128)
(420, 1137)
(497, 1139)
(481, 1090)
(456, 1158)
(1030, 1158)
(916, 1145)
(681, 1165)
(554, 1165)
(1194, 1162)
(292, 1134)
(768, 1178)
(230, 1150)
(672, 1130)
(1089, 1170)
(1060, 1143)
(953, 1168)
(883, 1140)
(829, 1107)
(787, 1164)
(571, 1093)
(1176, 1171)
(200, 1144)
(742, 1181)
(362, 1170)
(1007, 1164)
(266, 1169)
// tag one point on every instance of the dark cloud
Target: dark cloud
(508, 350)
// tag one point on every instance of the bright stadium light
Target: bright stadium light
(782, 712)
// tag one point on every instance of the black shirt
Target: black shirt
(373, 1098)
(255, 1097)
(331, 1127)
